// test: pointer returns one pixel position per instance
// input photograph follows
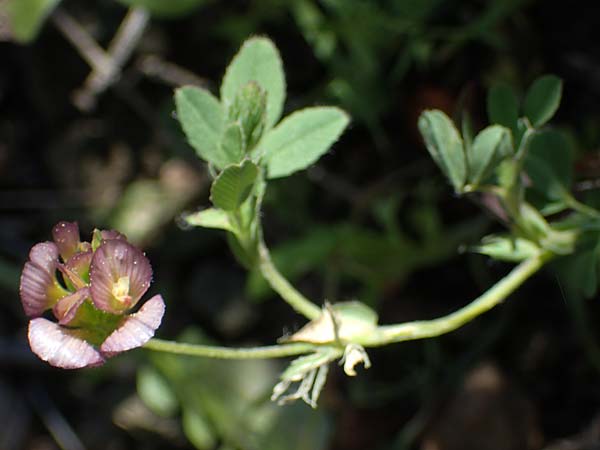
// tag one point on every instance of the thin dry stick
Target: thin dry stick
(106, 65)
(120, 48)
(87, 47)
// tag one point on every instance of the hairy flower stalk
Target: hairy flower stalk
(91, 288)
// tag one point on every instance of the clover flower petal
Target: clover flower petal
(38, 287)
(78, 267)
(137, 329)
(119, 275)
(66, 237)
(60, 346)
(66, 308)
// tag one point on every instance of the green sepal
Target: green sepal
(94, 325)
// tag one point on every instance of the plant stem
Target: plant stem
(388, 334)
(210, 351)
(582, 208)
(283, 287)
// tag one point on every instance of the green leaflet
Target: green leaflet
(445, 146)
(27, 17)
(490, 147)
(201, 118)
(210, 218)
(542, 99)
(301, 138)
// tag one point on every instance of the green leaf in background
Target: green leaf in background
(249, 109)
(232, 145)
(445, 146)
(233, 186)
(156, 393)
(230, 401)
(503, 106)
(27, 17)
(301, 138)
(506, 248)
(549, 164)
(297, 427)
(542, 99)
(201, 118)
(258, 60)
(167, 9)
(210, 218)
(491, 146)
(580, 271)
(197, 430)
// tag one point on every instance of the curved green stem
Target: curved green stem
(388, 334)
(210, 351)
(582, 208)
(283, 287)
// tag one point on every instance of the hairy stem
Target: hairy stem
(429, 328)
(210, 351)
(283, 287)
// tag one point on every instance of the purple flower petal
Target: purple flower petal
(119, 275)
(66, 308)
(66, 237)
(38, 289)
(137, 329)
(77, 269)
(60, 347)
(45, 255)
(112, 234)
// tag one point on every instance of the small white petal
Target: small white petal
(54, 344)
(137, 329)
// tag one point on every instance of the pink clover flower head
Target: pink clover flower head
(91, 289)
